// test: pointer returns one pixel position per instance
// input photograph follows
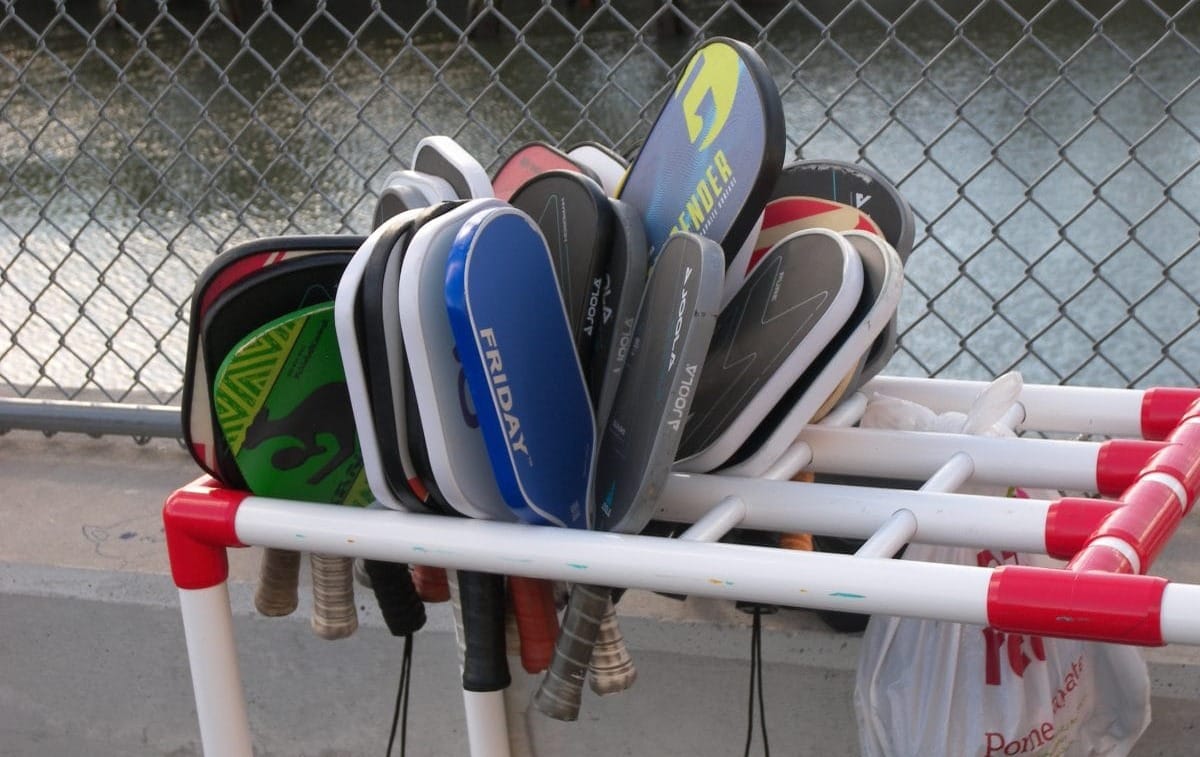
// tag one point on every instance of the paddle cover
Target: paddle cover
(576, 220)
(283, 406)
(858, 187)
(712, 157)
(231, 267)
(670, 340)
(511, 331)
(792, 306)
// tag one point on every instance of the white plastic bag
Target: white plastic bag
(929, 688)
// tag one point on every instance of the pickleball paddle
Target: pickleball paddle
(284, 411)
(792, 305)
(674, 325)
(517, 349)
(528, 161)
(804, 400)
(713, 154)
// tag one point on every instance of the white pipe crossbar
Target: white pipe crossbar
(915, 455)
(728, 571)
(857, 511)
(1046, 407)
(955, 593)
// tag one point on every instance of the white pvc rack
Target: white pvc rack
(1152, 474)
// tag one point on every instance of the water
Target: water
(1035, 163)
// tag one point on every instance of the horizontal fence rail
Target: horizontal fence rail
(1049, 151)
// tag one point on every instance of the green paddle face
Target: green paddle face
(283, 407)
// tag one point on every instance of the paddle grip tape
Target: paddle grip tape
(399, 604)
(485, 664)
(561, 690)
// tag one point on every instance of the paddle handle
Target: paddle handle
(562, 689)
(536, 620)
(611, 668)
(485, 663)
(334, 615)
(432, 583)
(399, 604)
(278, 578)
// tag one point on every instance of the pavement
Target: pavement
(92, 656)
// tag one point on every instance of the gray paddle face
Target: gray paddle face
(577, 221)
(792, 305)
(674, 326)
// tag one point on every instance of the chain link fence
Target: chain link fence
(1049, 151)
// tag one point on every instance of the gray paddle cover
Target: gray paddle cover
(624, 283)
(430, 161)
(674, 326)
(767, 336)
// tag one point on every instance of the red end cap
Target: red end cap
(1092, 606)
(1162, 409)
(199, 524)
(1070, 523)
(1120, 462)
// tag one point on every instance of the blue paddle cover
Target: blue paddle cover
(518, 355)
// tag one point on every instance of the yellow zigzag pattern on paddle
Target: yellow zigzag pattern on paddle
(244, 386)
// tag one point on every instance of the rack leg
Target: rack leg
(487, 723)
(216, 681)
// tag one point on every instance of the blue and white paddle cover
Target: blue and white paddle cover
(518, 355)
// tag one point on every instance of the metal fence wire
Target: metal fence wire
(1049, 151)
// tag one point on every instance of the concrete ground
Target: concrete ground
(92, 658)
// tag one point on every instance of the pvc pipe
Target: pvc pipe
(717, 522)
(1047, 407)
(1129, 609)
(725, 571)
(216, 682)
(857, 511)
(847, 412)
(487, 723)
(953, 474)
(796, 457)
(897, 531)
(1180, 616)
(1005, 461)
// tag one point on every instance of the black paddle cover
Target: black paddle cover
(577, 221)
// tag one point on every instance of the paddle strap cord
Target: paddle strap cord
(400, 711)
(756, 686)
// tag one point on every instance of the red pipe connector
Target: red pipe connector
(1088, 605)
(1153, 504)
(1120, 461)
(1071, 521)
(199, 523)
(1163, 408)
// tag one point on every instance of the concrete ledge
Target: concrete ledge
(95, 664)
